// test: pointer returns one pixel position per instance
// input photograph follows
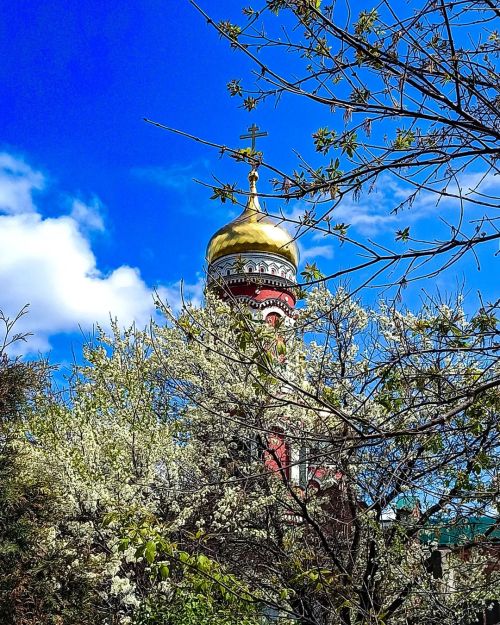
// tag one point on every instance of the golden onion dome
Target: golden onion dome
(253, 231)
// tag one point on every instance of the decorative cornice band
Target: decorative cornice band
(239, 268)
(267, 303)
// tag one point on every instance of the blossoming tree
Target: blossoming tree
(166, 501)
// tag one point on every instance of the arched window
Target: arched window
(272, 318)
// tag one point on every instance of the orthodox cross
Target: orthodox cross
(253, 134)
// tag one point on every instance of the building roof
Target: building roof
(454, 532)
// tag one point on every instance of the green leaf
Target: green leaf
(184, 557)
(150, 552)
(250, 103)
(403, 235)
(234, 88)
(224, 193)
(204, 563)
(404, 139)
(359, 95)
(231, 31)
(311, 273)
(366, 22)
(323, 139)
(349, 143)
(341, 229)
(109, 518)
(123, 544)
(281, 348)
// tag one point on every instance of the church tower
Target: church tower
(253, 261)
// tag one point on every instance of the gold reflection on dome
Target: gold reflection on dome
(253, 231)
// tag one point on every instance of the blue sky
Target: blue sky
(97, 208)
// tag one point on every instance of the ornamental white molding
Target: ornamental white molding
(267, 306)
(288, 315)
(269, 266)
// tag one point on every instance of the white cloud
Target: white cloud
(294, 213)
(315, 251)
(49, 264)
(17, 183)
(181, 293)
(88, 215)
(473, 187)
(177, 177)
(190, 198)
(309, 249)
(373, 213)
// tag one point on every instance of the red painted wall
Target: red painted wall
(278, 457)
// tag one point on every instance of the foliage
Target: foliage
(154, 493)
(392, 403)
(82, 480)
(35, 579)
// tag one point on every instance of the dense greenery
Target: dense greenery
(144, 493)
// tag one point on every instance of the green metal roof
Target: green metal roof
(454, 532)
(407, 502)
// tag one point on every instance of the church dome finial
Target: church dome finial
(253, 196)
